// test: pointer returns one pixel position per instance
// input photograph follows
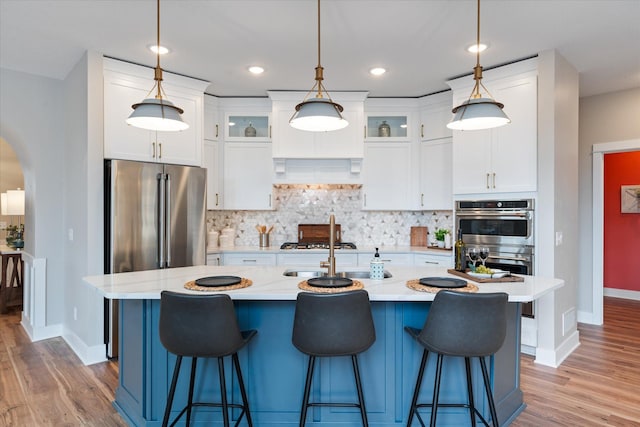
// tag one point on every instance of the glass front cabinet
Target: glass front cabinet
(387, 127)
(246, 127)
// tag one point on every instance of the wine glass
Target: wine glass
(472, 253)
(484, 254)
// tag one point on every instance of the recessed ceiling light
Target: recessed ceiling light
(378, 71)
(255, 69)
(475, 48)
(159, 49)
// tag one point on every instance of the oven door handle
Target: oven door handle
(500, 214)
(508, 258)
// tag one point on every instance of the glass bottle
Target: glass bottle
(460, 253)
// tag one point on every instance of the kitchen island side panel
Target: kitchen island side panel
(274, 371)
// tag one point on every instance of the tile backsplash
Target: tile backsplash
(312, 204)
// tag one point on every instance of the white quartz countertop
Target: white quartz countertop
(269, 283)
(359, 250)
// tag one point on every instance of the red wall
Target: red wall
(621, 231)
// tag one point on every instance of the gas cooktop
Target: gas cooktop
(319, 245)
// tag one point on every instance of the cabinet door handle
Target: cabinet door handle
(160, 150)
(488, 181)
(216, 130)
(365, 200)
(153, 146)
(431, 262)
(253, 261)
(217, 199)
(421, 131)
(494, 180)
(269, 131)
(365, 132)
(422, 199)
(269, 200)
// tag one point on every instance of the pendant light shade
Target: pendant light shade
(157, 113)
(318, 114)
(478, 112)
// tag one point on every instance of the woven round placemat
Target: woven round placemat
(307, 287)
(416, 286)
(244, 283)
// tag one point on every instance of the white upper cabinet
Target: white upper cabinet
(387, 173)
(291, 143)
(435, 113)
(126, 84)
(248, 172)
(504, 159)
(212, 126)
(436, 175)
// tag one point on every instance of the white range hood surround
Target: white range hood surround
(302, 157)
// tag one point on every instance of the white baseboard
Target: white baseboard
(40, 333)
(622, 293)
(555, 357)
(87, 354)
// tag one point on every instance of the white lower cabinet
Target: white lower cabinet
(386, 182)
(389, 259)
(239, 258)
(432, 260)
(313, 260)
(248, 176)
(214, 258)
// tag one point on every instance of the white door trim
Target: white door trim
(598, 151)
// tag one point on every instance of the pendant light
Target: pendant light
(478, 112)
(318, 114)
(157, 113)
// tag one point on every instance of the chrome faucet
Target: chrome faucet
(330, 264)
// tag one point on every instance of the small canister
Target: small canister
(384, 130)
(376, 271)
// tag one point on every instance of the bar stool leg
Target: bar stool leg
(194, 361)
(416, 391)
(356, 373)
(436, 390)
(172, 391)
(223, 392)
(487, 388)
(307, 391)
(243, 392)
(472, 406)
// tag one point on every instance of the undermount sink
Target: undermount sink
(360, 274)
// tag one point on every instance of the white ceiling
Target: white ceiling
(421, 42)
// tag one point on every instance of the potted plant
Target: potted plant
(440, 236)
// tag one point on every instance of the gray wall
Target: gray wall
(603, 118)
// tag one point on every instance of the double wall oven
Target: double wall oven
(506, 228)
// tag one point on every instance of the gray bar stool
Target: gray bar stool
(329, 325)
(202, 326)
(463, 325)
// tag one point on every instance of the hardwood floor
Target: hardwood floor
(44, 383)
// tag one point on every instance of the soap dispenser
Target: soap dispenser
(377, 267)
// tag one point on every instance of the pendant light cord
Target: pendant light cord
(158, 70)
(319, 34)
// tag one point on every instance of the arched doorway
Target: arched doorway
(11, 217)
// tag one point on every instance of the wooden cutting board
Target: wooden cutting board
(510, 278)
(419, 236)
(317, 233)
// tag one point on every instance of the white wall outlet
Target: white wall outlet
(70, 234)
(75, 313)
(3, 225)
(558, 238)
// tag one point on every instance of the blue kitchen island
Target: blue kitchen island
(274, 370)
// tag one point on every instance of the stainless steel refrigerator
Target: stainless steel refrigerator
(154, 218)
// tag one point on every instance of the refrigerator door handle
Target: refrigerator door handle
(167, 223)
(161, 220)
